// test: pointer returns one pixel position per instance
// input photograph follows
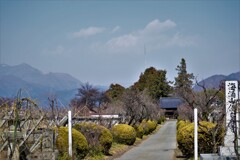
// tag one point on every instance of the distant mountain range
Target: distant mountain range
(36, 84)
(215, 80)
(62, 86)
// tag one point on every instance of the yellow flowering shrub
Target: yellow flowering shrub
(79, 143)
(123, 133)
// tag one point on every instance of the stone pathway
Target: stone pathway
(159, 146)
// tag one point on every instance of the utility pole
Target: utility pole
(145, 56)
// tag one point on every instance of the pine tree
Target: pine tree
(184, 80)
(183, 86)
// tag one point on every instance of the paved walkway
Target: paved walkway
(159, 146)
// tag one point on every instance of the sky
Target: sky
(104, 42)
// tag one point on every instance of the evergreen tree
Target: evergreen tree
(155, 82)
(115, 91)
(183, 84)
(184, 80)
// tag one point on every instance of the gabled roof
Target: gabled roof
(170, 102)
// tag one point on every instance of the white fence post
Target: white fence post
(195, 134)
(70, 133)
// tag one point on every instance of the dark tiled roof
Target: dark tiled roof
(170, 102)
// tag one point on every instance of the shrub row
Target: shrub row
(99, 138)
(209, 137)
(90, 138)
(145, 128)
(125, 134)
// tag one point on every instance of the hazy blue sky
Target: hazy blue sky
(102, 42)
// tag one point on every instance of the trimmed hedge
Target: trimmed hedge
(152, 125)
(145, 127)
(99, 138)
(124, 134)
(161, 119)
(148, 126)
(139, 130)
(206, 137)
(185, 137)
(79, 142)
(181, 124)
(64, 156)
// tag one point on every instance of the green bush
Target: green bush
(161, 119)
(139, 130)
(152, 125)
(181, 124)
(123, 133)
(205, 136)
(148, 126)
(64, 156)
(79, 143)
(145, 127)
(99, 138)
(185, 137)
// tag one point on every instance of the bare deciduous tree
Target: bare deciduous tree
(90, 97)
(209, 102)
(185, 112)
(139, 106)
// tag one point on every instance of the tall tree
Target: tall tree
(89, 96)
(115, 91)
(183, 84)
(184, 80)
(155, 82)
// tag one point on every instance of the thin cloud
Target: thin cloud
(115, 29)
(87, 32)
(181, 41)
(156, 26)
(153, 34)
(123, 41)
